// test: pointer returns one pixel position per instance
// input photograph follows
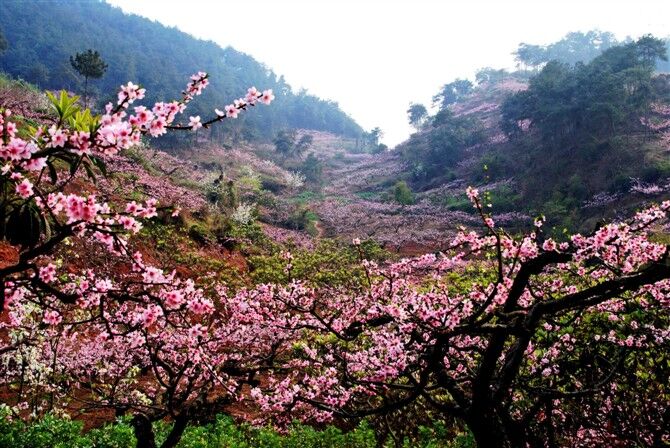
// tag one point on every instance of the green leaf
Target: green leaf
(65, 105)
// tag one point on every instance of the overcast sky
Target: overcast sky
(374, 57)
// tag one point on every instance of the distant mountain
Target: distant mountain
(42, 35)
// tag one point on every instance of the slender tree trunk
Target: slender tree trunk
(144, 432)
(85, 92)
(177, 431)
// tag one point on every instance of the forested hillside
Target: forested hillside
(580, 137)
(155, 56)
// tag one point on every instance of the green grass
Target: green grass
(223, 432)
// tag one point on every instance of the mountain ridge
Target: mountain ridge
(137, 48)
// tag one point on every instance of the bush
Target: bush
(402, 193)
(49, 432)
(200, 234)
(326, 264)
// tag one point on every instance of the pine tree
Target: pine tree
(89, 64)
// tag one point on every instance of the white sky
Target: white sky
(374, 57)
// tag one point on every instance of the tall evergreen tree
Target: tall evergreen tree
(89, 64)
(417, 114)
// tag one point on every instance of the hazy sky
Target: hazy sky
(374, 57)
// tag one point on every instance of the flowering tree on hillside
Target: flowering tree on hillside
(527, 341)
(133, 339)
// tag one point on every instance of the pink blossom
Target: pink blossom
(267, 96)
(194, 123)
(52, 317)
(24, 188)
(231, 111)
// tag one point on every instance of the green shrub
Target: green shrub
(48, 432)
(327, 264)
(402, 193)
(460, 202)
(200, 234)
(118, 435)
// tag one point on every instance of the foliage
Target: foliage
(89, 64)
(312, 168)
(285, 141)
(452, 93)
(599, 118)
(327, 264)
(52, 432)
(490, 75)
(417, 114)
(590, 101)
(402, 193)
(575, 47)
(304, 144)
(431, 154)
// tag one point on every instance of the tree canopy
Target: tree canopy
(417, 114)
(88, 64)
(573, 48)
(568, 104)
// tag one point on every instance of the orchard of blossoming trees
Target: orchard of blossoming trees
(146, 343)
(527, 341)
(523, 340)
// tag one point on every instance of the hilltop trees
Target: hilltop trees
(417, 115)
(651, 49)
(589, 117)
(452, 92)
(62, 24)
(575, 47)
(568, 105)
(490, 75)
(88, 64)
(435, 153)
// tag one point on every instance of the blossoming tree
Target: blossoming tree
(526, 341)
(143, 341)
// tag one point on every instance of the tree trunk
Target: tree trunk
(144, 432)
(177, 431)
(490, 432)
(85, 92)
